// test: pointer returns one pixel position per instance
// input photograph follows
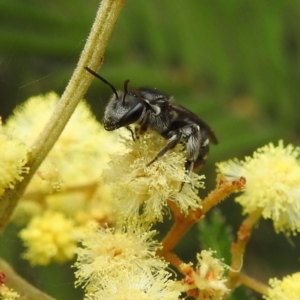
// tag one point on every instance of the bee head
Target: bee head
(124, 107)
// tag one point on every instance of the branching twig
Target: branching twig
(183, 223)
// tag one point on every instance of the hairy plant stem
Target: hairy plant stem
(184, 222)
(92, 56)
(238, 248)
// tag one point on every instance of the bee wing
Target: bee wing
(185, 112)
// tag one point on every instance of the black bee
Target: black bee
(150, 108)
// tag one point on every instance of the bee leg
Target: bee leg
(189, 166)
(144, 123)
(172, 142)
(192, 135)
(131, 131)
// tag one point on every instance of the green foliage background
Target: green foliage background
(235, 63)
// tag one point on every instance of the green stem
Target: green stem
(20, 285)
(253, 284)
(92, 56)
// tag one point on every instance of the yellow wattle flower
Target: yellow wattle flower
(273, 184)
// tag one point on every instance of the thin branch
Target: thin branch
(174, 260)
(40, 196)
(184, 222)
(92, 56)
(18, 284)
(223, 190)
(238, 248)
(253, 284)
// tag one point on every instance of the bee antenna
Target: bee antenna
(125, 89)
(102, 79)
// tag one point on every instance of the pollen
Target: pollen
(286, 289)
(50, 237)
(13, 157)
(69, 179)
(273, 184)
(105, 252)
(138, 186)
(7, 293)
(137, 285)
(82, 145)
(209, 276)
